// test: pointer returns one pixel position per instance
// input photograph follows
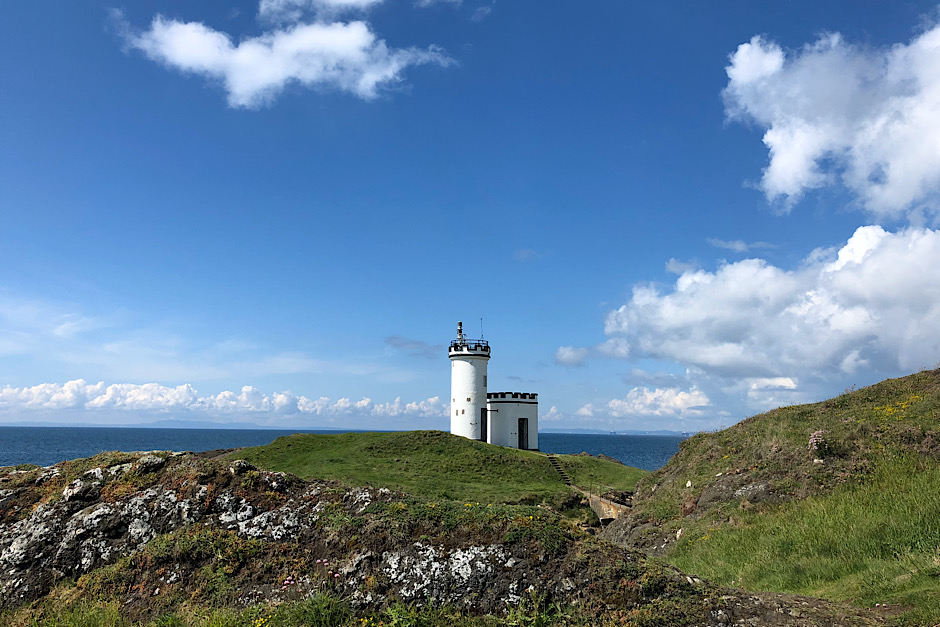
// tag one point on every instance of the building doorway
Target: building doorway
(483, 425)
(523, 433)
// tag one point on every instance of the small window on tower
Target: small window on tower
(463, 411)
(484, 380)
(456, 412)
(468, 399)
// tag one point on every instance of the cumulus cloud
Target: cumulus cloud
(615, 347)
(153, 397)
(575, 356)
(671, 402)
(770, 392)
(874, 303)
(570, 355)
(833, 110)
(587, 411)
(347, 56)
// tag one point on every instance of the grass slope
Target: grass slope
(876, 542)
(209, 575)
(850, 513)
(438, 465)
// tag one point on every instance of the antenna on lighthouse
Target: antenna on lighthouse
(481, 328)
(460, 330)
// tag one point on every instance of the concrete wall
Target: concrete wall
(505, 409)
(468, 393)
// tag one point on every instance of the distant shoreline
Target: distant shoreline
(253, 427)
(44, 444)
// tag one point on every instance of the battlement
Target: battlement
(509, 396)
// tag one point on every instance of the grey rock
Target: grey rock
(239, 467)
(149, 463)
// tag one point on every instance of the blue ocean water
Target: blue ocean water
(48, 445)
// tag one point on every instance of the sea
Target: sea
(45, 446)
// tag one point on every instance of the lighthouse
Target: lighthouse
(468, 359)
(502, 418)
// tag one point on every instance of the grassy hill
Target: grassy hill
(437, 465)
(836, 499)
(162, 539)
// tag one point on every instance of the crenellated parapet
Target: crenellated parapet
(514, 397)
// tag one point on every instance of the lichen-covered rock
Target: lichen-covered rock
(148, 527)
(149, 463)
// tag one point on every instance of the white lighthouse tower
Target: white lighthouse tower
(468, 412)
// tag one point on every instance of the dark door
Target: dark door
(523, 433)
(483, 424)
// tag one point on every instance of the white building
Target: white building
(502, 418)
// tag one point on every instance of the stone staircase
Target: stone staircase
(554, 462)
(606, 509)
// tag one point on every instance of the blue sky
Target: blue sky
(669, 215)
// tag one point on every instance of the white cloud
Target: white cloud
(153, 397)
(873, 304)
(615, 347)
(281, 11)
(675, 266)
(50, 395)
(770, 392)
(344, 56)
(832, 110)
(738, 246)
(570, 355)
(147, 397)
(671, 402)
(481, 12)
(586, 412)
(431, 407)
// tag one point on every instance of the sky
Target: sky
(667, 215)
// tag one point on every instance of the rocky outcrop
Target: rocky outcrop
(155, 529)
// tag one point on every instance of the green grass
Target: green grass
(599, 475)
(859, 519)
(896, 416)
(436, 465)
(877, 542)
(317, 611)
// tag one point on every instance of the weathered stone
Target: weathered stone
(240, 466)
(466, 567)
(149, 463)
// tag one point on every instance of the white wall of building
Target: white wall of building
(505, 410)
(468, 393)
